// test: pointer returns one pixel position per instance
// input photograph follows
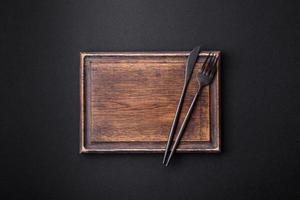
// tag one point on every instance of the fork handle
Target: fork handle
(184, 124)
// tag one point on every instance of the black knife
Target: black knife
(192, 59)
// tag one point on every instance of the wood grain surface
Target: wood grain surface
(129, 101)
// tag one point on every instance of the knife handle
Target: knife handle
(175, 122)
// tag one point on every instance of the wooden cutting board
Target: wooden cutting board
(128, 102)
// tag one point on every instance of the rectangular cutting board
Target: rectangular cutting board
(128, 101)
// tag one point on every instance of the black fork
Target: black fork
(205, 77)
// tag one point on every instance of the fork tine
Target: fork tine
(207, 63)
(216, 59)
(208, 66)
(204, 63)
(213, 71)
(214, 66)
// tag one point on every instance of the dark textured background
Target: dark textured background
(39, 78)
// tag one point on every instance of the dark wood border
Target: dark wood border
(212, 146)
